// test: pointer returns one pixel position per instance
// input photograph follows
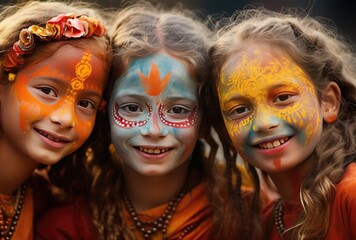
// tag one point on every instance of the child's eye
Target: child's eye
(131, 108)
(48, 91)
(86, 104)
(239, 112)
(283, 97)
(178, 110)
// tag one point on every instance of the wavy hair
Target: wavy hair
(326, 57)
(139, 30)
(68, 173)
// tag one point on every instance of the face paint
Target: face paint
(55, 101)
(83, 71)
(270, 109)
(190, 121)
(155, 117)
(152, 84)
(122, 122)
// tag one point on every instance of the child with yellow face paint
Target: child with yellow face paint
(285, 86)
(54, 62)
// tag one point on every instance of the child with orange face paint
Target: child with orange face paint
(156, 183)
(54, 62)
(285, 88)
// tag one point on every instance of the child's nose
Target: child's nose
(64, 115)
(265, 120)
(154, 127)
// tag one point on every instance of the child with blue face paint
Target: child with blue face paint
(155, 117)
(156, 187)
(286, 88)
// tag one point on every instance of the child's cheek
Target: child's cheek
(238, 131)
(83, 129)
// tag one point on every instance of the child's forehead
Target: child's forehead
(260, 53)
(163, 61)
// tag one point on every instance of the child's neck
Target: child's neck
(146, 192)
(15, 169)
(288, 183)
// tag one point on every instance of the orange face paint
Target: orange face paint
(152, 83)
(277, 163)
(52, 103)
(331, 119)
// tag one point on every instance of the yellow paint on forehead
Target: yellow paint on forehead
(251, 76)
(31, 108)
(83, 71)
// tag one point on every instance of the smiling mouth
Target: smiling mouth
(50, 137)
(273, 144)
(154, 151)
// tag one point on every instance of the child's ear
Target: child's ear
(330, 102)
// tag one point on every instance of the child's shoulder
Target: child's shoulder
(346, 187)
(71, 219)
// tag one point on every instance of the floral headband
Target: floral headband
(61, 27)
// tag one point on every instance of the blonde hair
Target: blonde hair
(324, 56)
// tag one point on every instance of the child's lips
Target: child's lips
(52, 136)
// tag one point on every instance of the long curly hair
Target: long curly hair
(326, 57)
(139, 30)
(69, 172)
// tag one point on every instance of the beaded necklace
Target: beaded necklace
(150, 228)
(10, 216)
(278, 217)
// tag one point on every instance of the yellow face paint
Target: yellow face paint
(255, 79)
(266, 99)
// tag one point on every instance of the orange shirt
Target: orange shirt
(342, 210)
(193, 208)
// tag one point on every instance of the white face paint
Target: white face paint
(155, 115)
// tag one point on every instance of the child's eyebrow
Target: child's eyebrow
(128, 95)
(57, 80)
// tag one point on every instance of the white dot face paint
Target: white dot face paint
(155, 115)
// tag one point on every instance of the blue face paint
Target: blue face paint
(155, 114)
(270, 108)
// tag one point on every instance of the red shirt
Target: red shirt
(68, 221)
(342, 210)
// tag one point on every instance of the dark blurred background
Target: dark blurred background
(341, 12)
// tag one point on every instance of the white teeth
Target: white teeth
(274, 144)
(50, 137)
(153, 151)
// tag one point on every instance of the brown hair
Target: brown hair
(137, 31)
(13, 18)
(325, 56)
